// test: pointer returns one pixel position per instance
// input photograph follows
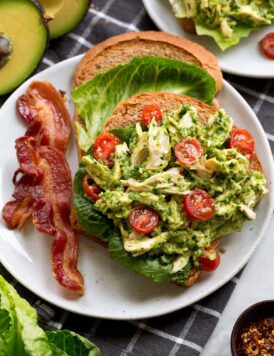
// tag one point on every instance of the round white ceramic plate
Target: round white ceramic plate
(112, 291)
(243, 59)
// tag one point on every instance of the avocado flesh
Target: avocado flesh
(66, 15)
(22, 23)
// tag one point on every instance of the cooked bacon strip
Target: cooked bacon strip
(16, 212)
(51, 197)
(45, 188)
(43, 108)
(27, 157)
(25, 108)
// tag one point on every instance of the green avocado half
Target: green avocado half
(23, 40)
(64, 15)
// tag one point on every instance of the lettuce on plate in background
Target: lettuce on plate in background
(226, 21)
(20, 334)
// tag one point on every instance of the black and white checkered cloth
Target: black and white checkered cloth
(186, 331)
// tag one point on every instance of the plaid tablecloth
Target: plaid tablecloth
(186, 331)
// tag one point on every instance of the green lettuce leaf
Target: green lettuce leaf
(96, 99)
(148, 266)
(124, 134)
(92, 222)
(68, 343)
(224, 42)
(20, 334)
(23, 336)
(7, 332)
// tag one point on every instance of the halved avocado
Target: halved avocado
(23, 40)
(65, 14)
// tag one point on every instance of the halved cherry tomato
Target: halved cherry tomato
(243, 141)
(207, 264)
(199, 205)
(150, 112)
(267, 45)
(91, 188)
(143, 219)
(104, 147)
(188, 151)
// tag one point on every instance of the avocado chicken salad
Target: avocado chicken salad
(161, 192)
(226, 21)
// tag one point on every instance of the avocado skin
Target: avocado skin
(67, 27)
(40, 11)
(45, 23)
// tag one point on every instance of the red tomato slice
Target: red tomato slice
(243, 141)
(207, 264)
(267, 45)
(104, 147)
(91, 188)
(199, 205)
(143, 219)
(188, 151)
(150, 112)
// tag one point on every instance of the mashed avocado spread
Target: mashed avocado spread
(147, 172)
(225, 20)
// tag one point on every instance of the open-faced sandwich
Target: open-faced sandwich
(163, 173)
(227, 22)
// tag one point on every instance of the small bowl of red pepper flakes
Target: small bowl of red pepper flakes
(253, 332)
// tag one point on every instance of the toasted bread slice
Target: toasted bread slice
(130, 111)
(122, 48)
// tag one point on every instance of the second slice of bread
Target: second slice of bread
(122, 48)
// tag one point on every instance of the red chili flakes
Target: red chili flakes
(258, 339)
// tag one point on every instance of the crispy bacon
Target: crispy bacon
(43, 108)
(25, 108)
(27, 157)
(44, 190)
(56, 190)
(51, 197)
(16, 212)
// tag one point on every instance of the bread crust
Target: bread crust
(194, 53)
(129, 112)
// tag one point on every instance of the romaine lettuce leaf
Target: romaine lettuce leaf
(124, 133)
(68, 343)
(96, 99)
(92, 222)
(20, 334)
(23, 336)
(148, 266)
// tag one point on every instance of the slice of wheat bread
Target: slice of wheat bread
(122, 48)
(129, 112)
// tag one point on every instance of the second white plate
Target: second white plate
(244, 59)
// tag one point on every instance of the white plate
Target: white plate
(243, 59)
(112, 291)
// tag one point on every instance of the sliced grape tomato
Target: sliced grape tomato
(143, 219)
(199, 205)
